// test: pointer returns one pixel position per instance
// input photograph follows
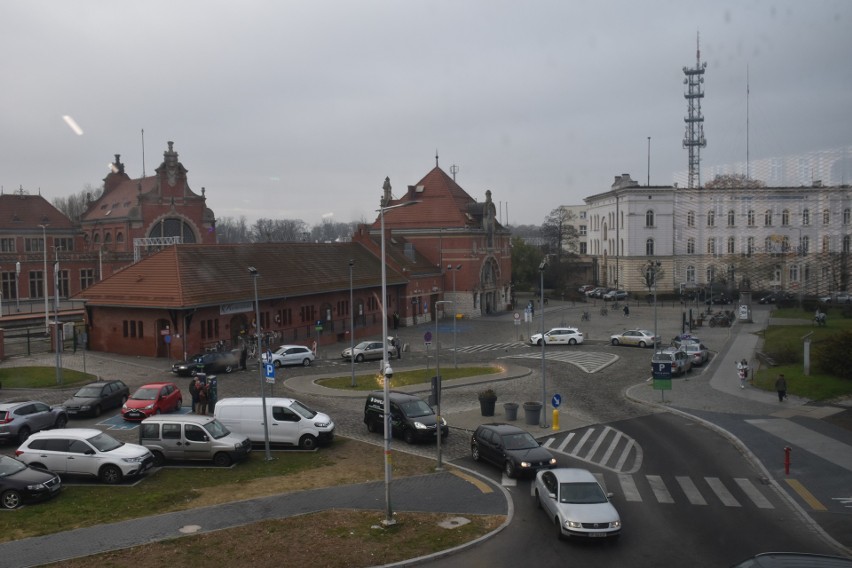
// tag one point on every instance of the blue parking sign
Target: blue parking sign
(269, 372)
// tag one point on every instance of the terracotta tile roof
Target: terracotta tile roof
(192, 275)
(22, 211)
(443, 203)
(119, 202)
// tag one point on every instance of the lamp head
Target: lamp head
(252, 270)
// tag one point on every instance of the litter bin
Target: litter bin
(511, 409)
(532, 411)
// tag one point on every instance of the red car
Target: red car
(151, 399)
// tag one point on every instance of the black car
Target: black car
(718, 300)
(768, 299)
(209, 363)
(20, 483)
(511, 448)
(96, 397)
(411, 418)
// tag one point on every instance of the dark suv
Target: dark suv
(411, 418)
(509, 447)
(96, 397)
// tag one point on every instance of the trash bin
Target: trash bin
(511, 409)
(532, 411)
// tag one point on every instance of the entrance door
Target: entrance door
(163, 329)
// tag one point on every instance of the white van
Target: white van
(290, 422)
(192, 437)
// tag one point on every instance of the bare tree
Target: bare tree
(559, 232)
(75, 205)
(733, 181)
(230, 230)
(278, 231)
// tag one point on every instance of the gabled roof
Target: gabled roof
(191, 275)
(443, 203)
(20, 211)
(119, 202)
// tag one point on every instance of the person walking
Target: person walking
(741, 373)
(626, 311)
(744, 364)
(781, 387)
(193, 393)
(202, 398)
(243, 353)
(397, 345)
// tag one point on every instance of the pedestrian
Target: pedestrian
(626, 311)
(398, 346)
(212, 393)
(193, 392)
(781, 387)
(202, 398)
(243, 354)
(395, 320)
(744, 363)
(741, 373)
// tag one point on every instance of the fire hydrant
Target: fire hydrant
(787, 451)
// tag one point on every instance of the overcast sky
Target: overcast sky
(300, 109)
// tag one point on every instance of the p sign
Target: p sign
(662, 370)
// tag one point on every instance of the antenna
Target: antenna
(694, 139)
(649, 161)
(748, 92)
(143, 152)
(454, 169)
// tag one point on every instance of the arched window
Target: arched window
(690, 246)
(806, 244)
(107, 239)
(690, 218)
(173, 227)
(785, 243)
(826, 244)
(767, 245)
(767, 218)
(806, 217)
(690, 274)
(97, 239)
(119, 237)
(711, 273)
(826, 217)
(711, 246)
(732, 243)
(731, 218)
(649, 218)
(847, 216)
(750, 218)
(750, 246)
(794, 273)
(711, 218)
(649, 247)
(785, 217)
(846, 243)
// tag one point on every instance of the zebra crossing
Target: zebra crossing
(605, 447)
(588, 361)
(490, 347)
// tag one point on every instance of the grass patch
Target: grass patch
(172, 489)
(42, 378)
(405, 378)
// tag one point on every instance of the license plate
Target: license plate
(597, 534)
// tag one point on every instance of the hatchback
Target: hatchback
(577, 503)
(697, 352)
(638, 337)
(291, 355)
(679, 360)
(151, 399)
(559, 336)
(511, 448)
(85, 451)
(20, 419)
(366, 350)
(20, 483)
(96, 397)
(208, 363)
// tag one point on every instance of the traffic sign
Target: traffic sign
(516, 315)
(427, 337)
(556, 400)
(662, 370)
(269, 372)
(167, 339)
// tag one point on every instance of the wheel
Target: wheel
(558, 528)
(614, 341)
(373, 426)
(23, 434)
(159, 458)
(474, 452)
(10, 499)
(110, 474)
(642, 344)
(572, 341)
(538, 499)
(61, 421)
(277, 364)
(97, 410)
(308, 442)
(228, 369)
(408, 436)
(509, 468)
(538, 343)
(359, 358)
(222, 460)
(178, 405)
(306, 362)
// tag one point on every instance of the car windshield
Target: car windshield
(519, 441)
(216, 429)
(363, 345)
(105, 443)
(146, 394)
(585, 493)
(302, 409)
(416, 408)
(8, 466)
(88, 392)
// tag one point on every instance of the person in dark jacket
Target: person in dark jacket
(781, 387)
(193, 393)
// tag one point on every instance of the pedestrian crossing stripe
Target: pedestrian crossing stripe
(604, 447)
(588, 361)
(489, 347)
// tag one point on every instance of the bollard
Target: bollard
(555, 419)
(787, 451)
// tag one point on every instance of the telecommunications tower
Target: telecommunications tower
(694, 140)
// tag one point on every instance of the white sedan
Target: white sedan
(291, 355)
(559, 336)
(576, 503)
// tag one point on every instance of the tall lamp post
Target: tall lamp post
(18, 286)
(453, 269)
(543, 422)
(438, 420)
(653, 266)
(253, 271)
(387, 372)
(44, 278)
(351, 324)
(58, 330)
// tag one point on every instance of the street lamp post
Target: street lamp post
(653, 266)
(387, 372)
(438, 420)
(57, 332)
(44, 278)
(543, 422)
(351, 325)
(18, 286)
(453, 270)
(253, 271)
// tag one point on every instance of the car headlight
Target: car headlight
(525, 464)
(573, 524)
(552, 461)
(123, 407)
(150, 406)
(86, 407)
(36, 487)
(322, 424)
(420, 426)
(615, 525)
(138, 459)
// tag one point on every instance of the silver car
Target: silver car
(291, 355)
(20, 419)
(697, 352)
(366, 350)
(576, 503)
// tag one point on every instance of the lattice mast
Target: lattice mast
(694, 140)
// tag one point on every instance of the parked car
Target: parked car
(20, 419)
(586, 288)
(192, 437)
(367, 350)
(289, 421)
(697, 352)
(208, 363)
(411, 418)
(20, 483)
(678, 358)
(96, 397)
(637, 337)
(291, 355)
(720, 299)
(577, 503)
(559, 336)
(85, 451)
(615, 295)
(598, 292)
(151, 399)
(843, 298)
(511, 448)
(768, 299)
